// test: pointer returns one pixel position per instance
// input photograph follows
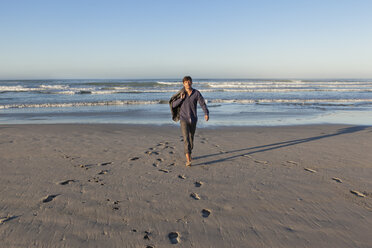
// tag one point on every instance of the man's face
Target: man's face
(187, 84)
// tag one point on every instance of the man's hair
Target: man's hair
(187, 78)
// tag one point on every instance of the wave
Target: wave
(114, 87)
(49, 89)
(293, 101)
(123, 90)
(17, 88)
(138, 84)
(171, 83)
(81, 104)
(108, 92)
(296, 90)
(55, 87)
(287, 85)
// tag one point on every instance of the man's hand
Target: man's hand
(206, 117)
(183, 95)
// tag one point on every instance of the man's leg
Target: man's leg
(185, 128)
(192, 129)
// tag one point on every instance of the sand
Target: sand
(128, 186)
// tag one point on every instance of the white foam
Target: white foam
(78, 104)
(118, 88)
(66, 92)
(296, 90)
(309, 85)
(56, 87)
(170, 83)
(17, 88)
(299, 101)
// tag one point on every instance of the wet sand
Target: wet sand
(127, 186)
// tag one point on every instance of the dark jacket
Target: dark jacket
(176, 111)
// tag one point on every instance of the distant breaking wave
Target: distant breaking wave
(79, 104)
(249, 101)
(65, 90)
(295, 101)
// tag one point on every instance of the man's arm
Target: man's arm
(203, 105)
(177, 102)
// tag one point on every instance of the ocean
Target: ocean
(231, 102)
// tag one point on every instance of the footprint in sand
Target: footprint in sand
(67, 182)
(164, 170)
(181, 176)
(86, 166)
(134, 158)
(116, 205)
(103, 172)
(337, 179)
(174, 237)
(104, 164)
(247, 156)
(163, 144)
(152, 153)
(357, 193)
(292, 162)
(261, 161)
(97, 180)
(7, 218)
(65, 156)
(310, 170)
(195, 196)
(49, 198)
(160, 160)
(198, 184)
(147, 235)
(206, 213)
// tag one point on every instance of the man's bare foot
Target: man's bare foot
(188, 157)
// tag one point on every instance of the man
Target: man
(183, 106)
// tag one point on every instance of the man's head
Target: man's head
(187, 82)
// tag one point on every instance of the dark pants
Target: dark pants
(188, 131)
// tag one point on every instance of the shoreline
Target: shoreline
(94, 185)
(177, 125)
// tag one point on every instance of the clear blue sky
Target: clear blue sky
(172, 38)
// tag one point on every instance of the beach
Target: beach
(117, 185)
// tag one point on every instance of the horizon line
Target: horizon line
(196, 78)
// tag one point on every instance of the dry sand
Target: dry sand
(127, 186)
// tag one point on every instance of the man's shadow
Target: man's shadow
(274, 146)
